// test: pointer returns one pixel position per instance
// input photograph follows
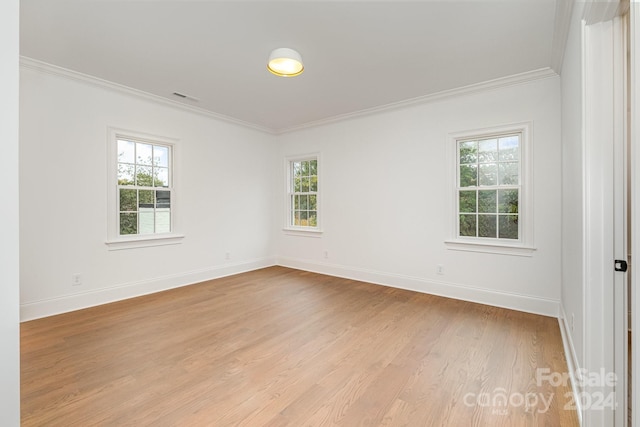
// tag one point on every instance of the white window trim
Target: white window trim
(524, 245)
(291, 229)
(114, 241)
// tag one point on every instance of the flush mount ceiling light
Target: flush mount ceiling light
(285, 62)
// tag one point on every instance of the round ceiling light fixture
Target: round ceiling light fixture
(285, 62)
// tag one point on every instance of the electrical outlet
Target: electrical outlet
(326, 254)
(76, 279)
(440, 269)
(227, 255)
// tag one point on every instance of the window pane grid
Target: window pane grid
(303, 193)
(488, 192)
(144, 196)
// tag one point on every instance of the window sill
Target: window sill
(304, 232)
(492, 248)
(144, 241)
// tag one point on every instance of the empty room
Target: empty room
(319, 213)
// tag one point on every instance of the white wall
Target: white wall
(385, 187)
(573, 152)
(9, 239)
(385, 183)
(226, 199)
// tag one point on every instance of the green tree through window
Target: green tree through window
(489, 187)
(144, 191)
(303, 193)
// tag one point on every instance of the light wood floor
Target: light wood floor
(281, 347)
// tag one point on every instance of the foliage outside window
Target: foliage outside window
(303, 193)
(489, 187)
(144, 187)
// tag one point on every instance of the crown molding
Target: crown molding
(498, 83)
(44, 67)
(562, 24)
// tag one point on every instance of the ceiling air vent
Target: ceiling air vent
(183, 96)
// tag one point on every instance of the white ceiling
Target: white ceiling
(358, 54)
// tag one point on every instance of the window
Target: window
(144, 190)
(303, 200)
(489, 187)
(141, 190)
(492, 189)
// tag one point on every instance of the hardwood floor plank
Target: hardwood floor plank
(282, 347)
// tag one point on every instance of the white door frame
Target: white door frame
(634, 127)
(598, 295)
(604, 86)
(620, 213)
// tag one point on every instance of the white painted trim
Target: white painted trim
(144, 241)
(599, 136)
(571, 357)
(516, 79)
(585, 195)
(509, 300)
(34, 64)
(620, 231)
(562, 24)
(291, 229)
(596, 11)
(524, 246)
(114, 240)
(49, 307)
(498, 249)
(634, 126)
(494, 84)
(9, 214)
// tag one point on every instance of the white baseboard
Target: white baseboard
(53, 306)
(573, 365)
(526, 303)
(49, 307)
